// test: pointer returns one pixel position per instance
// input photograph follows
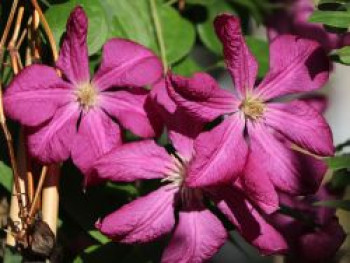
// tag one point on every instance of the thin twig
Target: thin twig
(38, 191)
(21, 202)
(47, 29)
(15, 59)
(7, 28)
(21, 39)
(30, 186)
(8, 137)
(159, 34)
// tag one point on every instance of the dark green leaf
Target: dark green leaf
(78, 205)
(200, 2)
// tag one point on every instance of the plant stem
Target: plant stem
(159, 34)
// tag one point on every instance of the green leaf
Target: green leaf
(186, 67)
(129, 189)
(206, 29)
(338, 162)
(340, 204)
(97, 235)
(6, 176)
(339, 19)
(178, 33)
(340, 179)
(260, 50)
(133, 20)
(200, 2)
(58, 14)
(342, 55)
(256, 8)
(11, 255)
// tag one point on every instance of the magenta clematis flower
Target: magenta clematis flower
(293, 19)
(198, 232)
(317, 235)
(74, 116)
(254, 141)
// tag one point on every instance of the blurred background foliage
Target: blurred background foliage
(191, 46)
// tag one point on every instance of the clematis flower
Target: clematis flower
(253, 142)
(197, 234)
(315, 235)
(293, 19)
(74, 116)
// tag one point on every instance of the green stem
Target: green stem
(159, 34)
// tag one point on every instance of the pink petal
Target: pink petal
(296, 65)
(197, 237)
(97, 134)
(302, 124)
(142, 220)
(200, 96)
(256, 181)
(133, 111)
(52, 142)
(311, 170)
(248, 221)
(73, 59)
(183, 135)
(176, 121)
(220, 154)
(35, 94)
(240, 61)
(127, 64)
(133, 161)
(318, 102)
(276, 156)
(325, 193)
(160, 97)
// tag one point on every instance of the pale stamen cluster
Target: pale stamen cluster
(252, 107)
(86, 95)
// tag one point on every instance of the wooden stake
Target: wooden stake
(50, 197)
(14, 209)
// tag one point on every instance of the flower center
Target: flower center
(86, 95)
(252, 108)
(176, 174)
(176, 177)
